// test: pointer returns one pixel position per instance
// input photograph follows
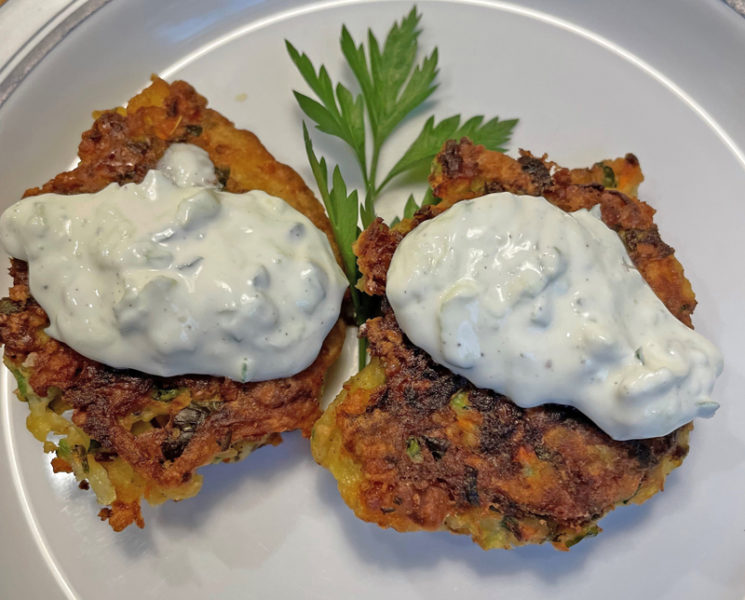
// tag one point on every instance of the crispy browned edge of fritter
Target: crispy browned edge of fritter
(414, 446)
(202, 417)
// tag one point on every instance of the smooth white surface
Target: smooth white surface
(274, 526)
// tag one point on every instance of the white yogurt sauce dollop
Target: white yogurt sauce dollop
(546, 306)
(172, 276)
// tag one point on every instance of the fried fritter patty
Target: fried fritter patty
(132, 435)
(414, 446)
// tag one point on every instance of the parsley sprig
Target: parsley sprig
(391, 86)
(342, 208)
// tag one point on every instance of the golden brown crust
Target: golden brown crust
(124, 144)
(163, 428)
(477, 452)
(463, 171)
(414, 446)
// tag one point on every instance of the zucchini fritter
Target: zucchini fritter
(414, 446)
(131, 435)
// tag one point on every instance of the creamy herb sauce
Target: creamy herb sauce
(544, 306)
(171, 279)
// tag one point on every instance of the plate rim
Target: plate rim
(42, 42)
(43, 46)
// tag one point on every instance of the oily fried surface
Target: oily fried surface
(135, 435)
(414, 446)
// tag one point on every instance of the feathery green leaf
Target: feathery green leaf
(392, 85)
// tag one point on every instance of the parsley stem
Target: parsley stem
(360, 317)
(367, 210)
(374, 166)
(371, 192)
(384, 183)
(361, 353)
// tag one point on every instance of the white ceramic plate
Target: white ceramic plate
(274, 525)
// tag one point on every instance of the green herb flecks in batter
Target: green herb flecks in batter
(414, 450)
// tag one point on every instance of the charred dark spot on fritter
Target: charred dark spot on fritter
(634, 237)
(194, 130)
(434, 385)
(379, 400)
(103, 455)
(512, 525)
(679, 452)
(222, 174)
(566, 415)
(648, 452)
(437, 446)
(225, 442)
(437, 394)
(172, 107)
(493, 187)
(426, 212)
(471, 486)
(411, 397)
(115, 391)
(484, 400)
(641, 452)
(538, 172)
(631, 159)
(185, 425)
(9, 307)
(189, 418)
(132, 164)
(501, 419)
(19, 271)
(625, 200)
(450, 158)
(138, 147)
